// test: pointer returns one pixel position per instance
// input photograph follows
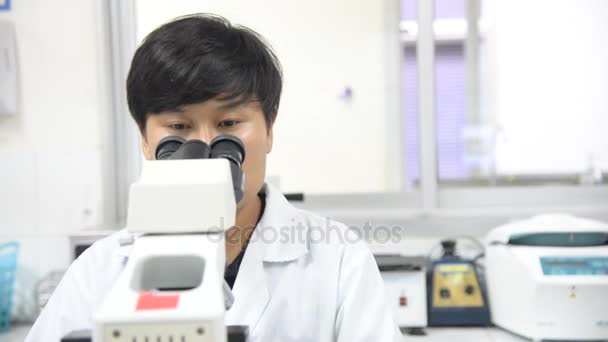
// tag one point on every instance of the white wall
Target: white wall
(545, 82)
(53, 153)
(322, 143)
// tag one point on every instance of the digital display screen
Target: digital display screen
(577, 266)
(566, 264)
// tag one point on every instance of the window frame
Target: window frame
(120, 20)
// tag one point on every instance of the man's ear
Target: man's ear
(145, 147)
(270, 136)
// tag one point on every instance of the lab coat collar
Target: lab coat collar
(281, 229)
(251, 293)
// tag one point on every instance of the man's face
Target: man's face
(204, 121)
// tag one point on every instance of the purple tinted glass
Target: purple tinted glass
(411, 119)
(450, 104)
(408, 9)
(444, 9)
(450, 98)
(450, 109)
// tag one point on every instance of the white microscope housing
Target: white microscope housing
(171, 287)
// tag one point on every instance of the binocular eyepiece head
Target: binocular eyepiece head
(224, 146)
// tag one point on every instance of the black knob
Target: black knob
(444, 293)
(469, 289)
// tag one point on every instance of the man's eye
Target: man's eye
(178, 127)
(229, 123)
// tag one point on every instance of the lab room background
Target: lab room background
(423, 128)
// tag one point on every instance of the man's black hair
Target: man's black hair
(201, 57)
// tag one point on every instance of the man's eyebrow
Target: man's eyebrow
(234, 103)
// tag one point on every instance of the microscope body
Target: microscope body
(171, 288)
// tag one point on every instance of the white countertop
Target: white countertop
(473, 334)
(18, 332)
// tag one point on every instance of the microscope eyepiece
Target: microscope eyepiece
(167, 146)
(229, 147)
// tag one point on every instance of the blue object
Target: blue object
(6, 6)
(576, 266)
(8, 267)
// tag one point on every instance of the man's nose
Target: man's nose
(206, 134)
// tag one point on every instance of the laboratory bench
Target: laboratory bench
(491, 334)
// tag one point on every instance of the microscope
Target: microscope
(171, 288)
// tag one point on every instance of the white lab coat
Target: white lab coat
(297, 282)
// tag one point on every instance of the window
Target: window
(539, 104)
(450, 90)
(543, 80)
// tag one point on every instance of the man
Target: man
(199, 77)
